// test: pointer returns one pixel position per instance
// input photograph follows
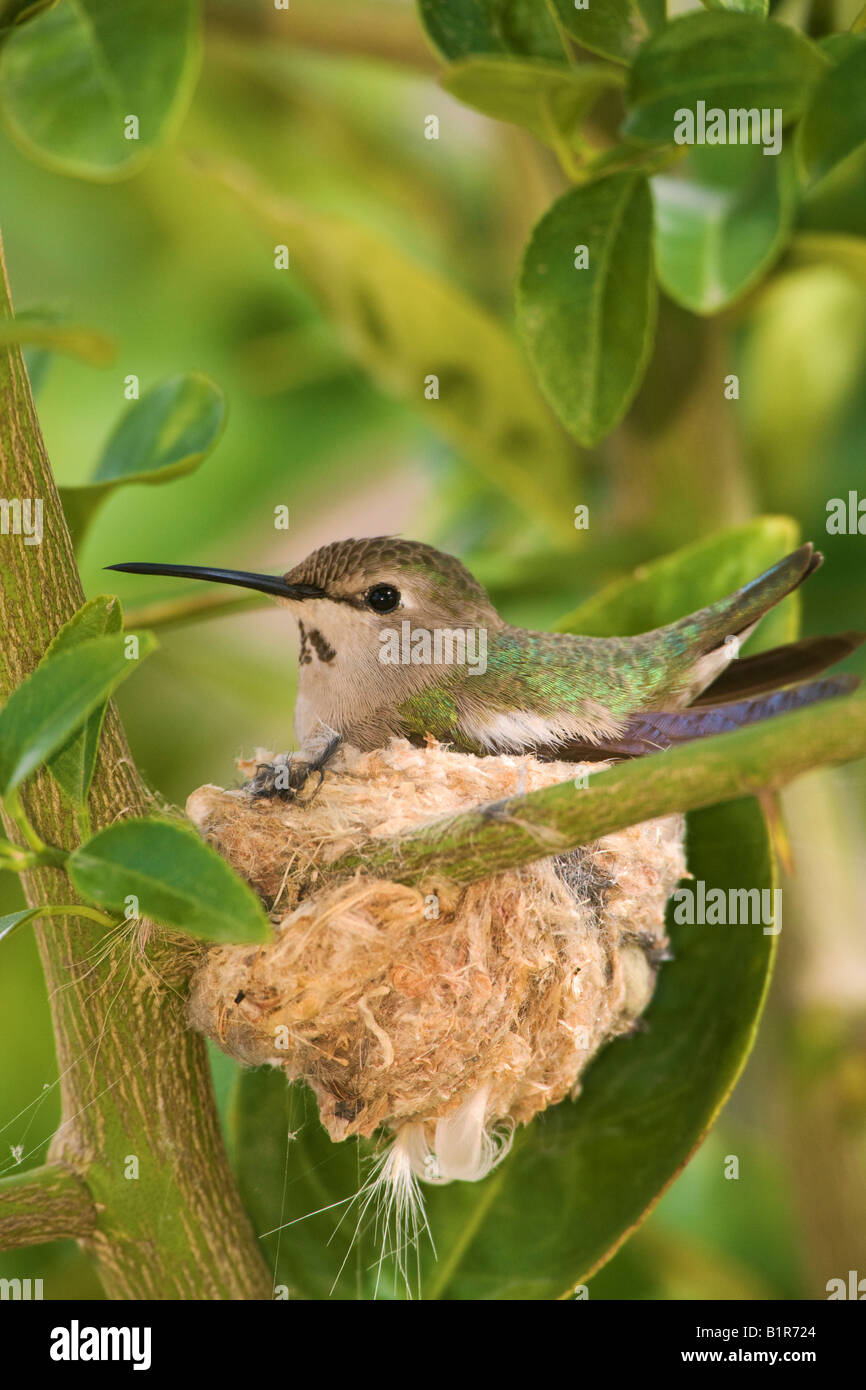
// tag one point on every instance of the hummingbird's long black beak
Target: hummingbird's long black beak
(264, 583)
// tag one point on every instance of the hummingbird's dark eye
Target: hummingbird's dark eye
(382, 598)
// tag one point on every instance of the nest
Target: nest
(446, 1014)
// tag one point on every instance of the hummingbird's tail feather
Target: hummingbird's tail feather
(796, 661)
(656, 731)
(735, 614)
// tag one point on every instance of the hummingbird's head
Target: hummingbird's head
(389, 579)
(361, 607)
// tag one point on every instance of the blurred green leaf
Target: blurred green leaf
(72, 766)
(848, 253)
(835, 121)
(758, 7)
(169, 431)
(20, 11)
(13, 920)
(179, 881)
(71, 78)
(699, 574)
(613, 28)
(721, 225)
(163, 436)
(589, 331)
(57, 698)
(488, 405)
(47, 334)
(839, 46)
(732, 61)
(461, 27)
(547, 99)
(288, 1170)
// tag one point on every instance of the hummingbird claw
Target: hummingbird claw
(283, 778)
(287, 776)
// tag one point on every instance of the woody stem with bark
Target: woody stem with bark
(137, 1169)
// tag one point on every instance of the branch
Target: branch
(134, 1080)
(379, 29)
(48, 1203)
(508, 833)
(172, 612)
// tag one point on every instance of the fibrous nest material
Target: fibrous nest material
(446, 1014)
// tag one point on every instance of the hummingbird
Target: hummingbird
(398, 639)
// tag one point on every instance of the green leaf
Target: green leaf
(834, 125)
(20, 11)
(698, 574)
(847, 253)
(839, 46)
(35, 331)
(613, 28)
(547, 99)
(179, 881)
(728, 61)
(460, 27)
(721, 223)
(589, 331)
(163, 436)
(72, 77)
(288, 1170)
(594, 1167)
(72, 766)
(758, 7)
(42, 713)
(13, 920)
(488, 406)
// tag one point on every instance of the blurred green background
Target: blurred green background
(179, 271)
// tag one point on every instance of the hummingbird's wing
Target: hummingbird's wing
(658, 730)
(752, 675)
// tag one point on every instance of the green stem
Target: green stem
(39, 853)
(48, 1203)
(564, 37)
(572, 168)
(15, 811)
(380, 29)
(16, 860)
(80, 910)
(189, 609)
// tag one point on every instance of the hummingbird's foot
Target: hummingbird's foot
(288, 775)
(285, 778)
